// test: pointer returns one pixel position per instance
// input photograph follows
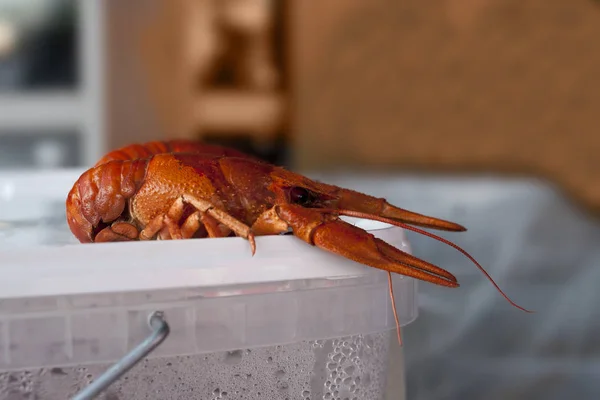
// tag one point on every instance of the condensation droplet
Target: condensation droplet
(233, 357)
(367, 379)
(295, 371)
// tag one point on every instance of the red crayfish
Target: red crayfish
(184, 189)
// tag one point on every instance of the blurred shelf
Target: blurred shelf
(233, 111)
(49, 111)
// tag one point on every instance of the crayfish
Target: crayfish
(185, 189)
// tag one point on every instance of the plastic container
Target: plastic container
(291, 322)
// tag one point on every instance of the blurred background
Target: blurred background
(484, 112)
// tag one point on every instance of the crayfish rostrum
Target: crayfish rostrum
(184, 189)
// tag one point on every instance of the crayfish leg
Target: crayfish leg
(237, 226)
(218, 223)
(196, 220)
(165, 226)
(211, 225)
(153, 228)
(191, 225)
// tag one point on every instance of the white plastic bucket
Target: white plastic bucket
(291, 322)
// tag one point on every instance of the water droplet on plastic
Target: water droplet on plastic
(367, 379)
(233, 357)
(57, 371)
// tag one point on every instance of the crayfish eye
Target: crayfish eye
(299, 195)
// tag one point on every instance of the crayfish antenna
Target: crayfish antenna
(356, 214)
(399, 333)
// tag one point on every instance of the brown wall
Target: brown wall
(471, 84)
(149, 89)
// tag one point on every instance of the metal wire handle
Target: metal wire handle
(160, 331)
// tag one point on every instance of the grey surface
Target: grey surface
(469, 343)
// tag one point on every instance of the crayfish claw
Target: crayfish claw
(425, 221)
(358, 245)
(411, 261)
